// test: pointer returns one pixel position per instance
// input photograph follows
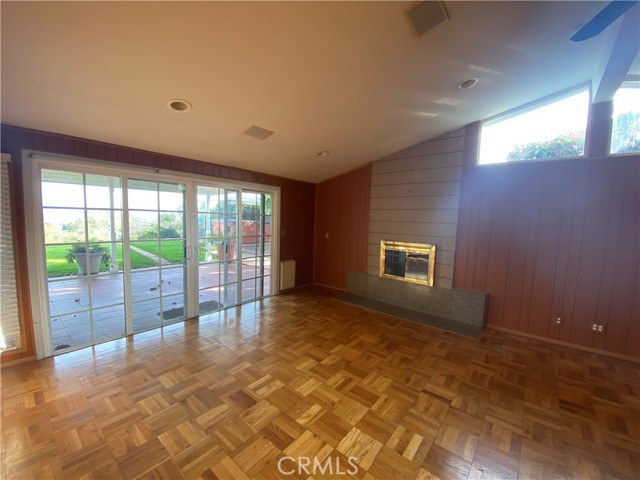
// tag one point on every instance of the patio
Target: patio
(154, 291)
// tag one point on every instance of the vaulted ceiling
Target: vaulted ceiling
(348, 77)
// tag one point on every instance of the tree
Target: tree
(625, 137)
(571, 145)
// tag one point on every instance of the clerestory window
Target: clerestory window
(552, 128)
(625, 125)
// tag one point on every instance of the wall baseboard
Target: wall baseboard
(19, 361)
(562, 343)
(330, 287)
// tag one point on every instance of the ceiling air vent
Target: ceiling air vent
(423, 16)
(258, 132)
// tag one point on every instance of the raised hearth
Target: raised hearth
(452, 304)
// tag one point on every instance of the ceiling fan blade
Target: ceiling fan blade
(602, 20)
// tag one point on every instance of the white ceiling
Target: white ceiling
(348, 77)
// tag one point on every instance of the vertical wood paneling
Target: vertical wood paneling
(594, 233)
(498, 248)
(557, 237)
(547, 245)
(516, 261)
(578, 219)
(469, 155)
(610, 253)
(342, 211)
(570, 190)
(124, 155)
(60, 145)
(39, 142)
(143, 159)
(96, 151)
(296, 215)
(625, 286)
(483, 243)
(80, 149)
(633, 339)
(530, 256)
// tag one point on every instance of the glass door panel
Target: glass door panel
(217, 210)
(256, 245)
(82, 216)
(157, 252)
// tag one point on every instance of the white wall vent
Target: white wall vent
(287, 274)
(258, 132)
(423, 16)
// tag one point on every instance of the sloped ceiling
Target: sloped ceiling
(348, 77)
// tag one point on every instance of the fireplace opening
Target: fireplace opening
(409, 262)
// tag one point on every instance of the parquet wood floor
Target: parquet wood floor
(301, 375)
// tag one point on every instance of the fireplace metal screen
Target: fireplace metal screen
(409, 262)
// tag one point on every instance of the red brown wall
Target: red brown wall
(342, 212)
(554, 237)
(297, 201)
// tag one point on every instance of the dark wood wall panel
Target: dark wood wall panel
(554, 238)
(342, 211)
(297, 205)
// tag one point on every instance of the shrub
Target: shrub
(169, 232)
(571, 145)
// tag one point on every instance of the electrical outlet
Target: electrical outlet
(600, 328)
(594, 327)
(557, 320)
(597, 328)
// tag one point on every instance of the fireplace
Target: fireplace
(409, 262)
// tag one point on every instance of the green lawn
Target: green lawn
(172, 250)
(57, 265)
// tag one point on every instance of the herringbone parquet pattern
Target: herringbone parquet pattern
(303, 375)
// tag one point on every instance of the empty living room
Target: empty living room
(318, 239)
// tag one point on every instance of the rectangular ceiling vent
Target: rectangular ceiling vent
(258, 132)
(423, 16)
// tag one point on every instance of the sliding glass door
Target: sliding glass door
(157, 243)
(82, 223)
(126, 253)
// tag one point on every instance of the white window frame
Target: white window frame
(34, 162)
(534, 105)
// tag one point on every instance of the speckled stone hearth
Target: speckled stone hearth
(463, 307)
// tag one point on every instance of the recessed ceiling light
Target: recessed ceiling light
(324, 153)
(468, 83)
(179, 106)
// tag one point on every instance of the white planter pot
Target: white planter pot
(95, 259)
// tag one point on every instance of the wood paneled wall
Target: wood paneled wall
(554, 238)
(297, 206)
(342, 227)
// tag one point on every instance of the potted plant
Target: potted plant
(98, 256)
(226, 247)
